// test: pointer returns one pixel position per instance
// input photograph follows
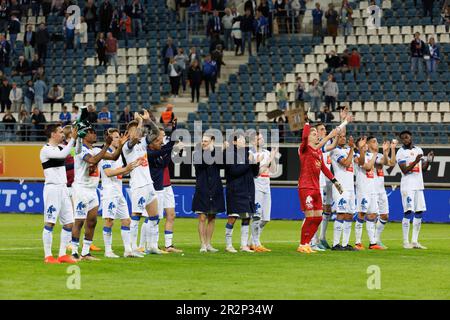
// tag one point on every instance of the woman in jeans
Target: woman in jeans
(346, 19)
(331, 92)
(174, 73)
(433, 56)
(315, 92)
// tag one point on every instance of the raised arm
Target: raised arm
(116, 154)
(60, 154)
(305, 135)
(426, 163)
(122, 171)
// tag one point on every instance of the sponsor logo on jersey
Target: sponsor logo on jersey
(111, 207)
(364, 203)
(141, 202)
(257, 206)
(80, 207)
(408, 200)
(342, 203)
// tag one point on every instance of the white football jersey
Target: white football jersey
(112, 186)
(365, 179)
(53, 162)
(262, 182)
(140, 176)
(379, 174)
(342, 174)
(413, 180)
(327, 160)
(85, 174)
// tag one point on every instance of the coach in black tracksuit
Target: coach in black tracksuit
(240, 190)
(208, 197)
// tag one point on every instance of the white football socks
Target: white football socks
(244, 235)
(144, 234)
(229, 234)
(379, 228)
(358, 230)
(324, 225)
(347, 230)
(66, 236)
(256, 233)
(337, 231)
(86, 247)
(370, 227)
(134, 229)
(405, 228)
(107, 238)
(126, 238)
(417, 222)
(168, 238)
(47, 239)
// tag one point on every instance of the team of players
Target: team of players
(147, 158)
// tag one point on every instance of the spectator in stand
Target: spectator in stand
(193, 14)
(332, 17)
(9, 121)
(55, 95)
(57, 7)
(282, 97)
(247, 28)
(326, 117)
(227, 22)
(137, 16)
(265, 9)
(114, 27)
(105, 118)
(65, 116)
(111, 45)
(168, 52)
(182, 59)
(417, 48)
(69, 28)
(167, 117)
(250, 5)
(300, 93)
(22, 68)
(42, 40)
(174, 73)
(315, 92)
(5, 90)
(46, 7)
(105, 15)
(92, 114)
(5, 50)
(195, 79)
(343, 62)
(24, 125)
(16, 97)
(90, 14)
(280, 8)
(354, 62)
(125, 117)
(29, 39)
(4, 16)
(446, 17)
(236, 33)
(183, 5)
(81, 34)
(331, 90)
(193, 55)
(206, 11)
(100, 46)
(217, 56)
(15, 9)
(14, 30)
(40, 88)
(219, 5)
(38, 120)
(428, 7)
(332, 61)
(35, 64)
(214, 25)
(172, 7)
(209, 74)
(433, 56)
(215, 41)
(262, 29)
(35, 7)
(40, 74)
(345, 18)
(125, 27)
(28, 96)
(74, 113)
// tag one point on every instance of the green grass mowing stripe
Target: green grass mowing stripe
(281, 274)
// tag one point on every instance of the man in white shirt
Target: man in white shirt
(263, 201)
(412, 164)
(85, 185)
(57, 202)
(15, 96)
(114, 205)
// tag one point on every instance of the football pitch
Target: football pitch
(281, 274)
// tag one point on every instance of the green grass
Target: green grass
(281, 274)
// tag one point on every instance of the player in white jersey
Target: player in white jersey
(412, 163)
(144, 201)
(263, 201)
(382, 160)
(114, 205)
(366, 195)
(57, 201)
(85, 187)
(326, 188)
(342, 163)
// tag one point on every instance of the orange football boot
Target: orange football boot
(67, 259)
(51, 260)
(93, 247)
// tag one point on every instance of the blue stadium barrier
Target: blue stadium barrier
(27, 198)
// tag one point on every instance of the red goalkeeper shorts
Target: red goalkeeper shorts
(310, 199)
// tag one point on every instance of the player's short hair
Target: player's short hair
(111, 130)
(405, 132)
(132, 124)
(51, 128)
(370, 138)
(317, 125)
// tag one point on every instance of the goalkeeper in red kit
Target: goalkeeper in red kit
(311, 163)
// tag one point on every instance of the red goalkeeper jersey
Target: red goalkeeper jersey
(311, 163)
